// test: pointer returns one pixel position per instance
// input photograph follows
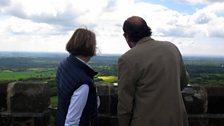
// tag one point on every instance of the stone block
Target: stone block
(198, 122)
(216, 122)
(195, 99)
(215, 99)
(215, 90)
(3, 94)
(108, 99)
(107, 120)
(27, 97)
(106, 89)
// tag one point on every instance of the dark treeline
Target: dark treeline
(22, 63)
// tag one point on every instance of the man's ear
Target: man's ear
(131, 44)
(126, 36)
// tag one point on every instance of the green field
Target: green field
(109, 79)
(54, 101)
(27, 74)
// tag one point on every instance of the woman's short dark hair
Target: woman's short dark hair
(82, 42)
(136, 31)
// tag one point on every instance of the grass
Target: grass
(16, 75)
(109, 79)
(54, 101)
(30, 73)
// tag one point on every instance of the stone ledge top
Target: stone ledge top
(19, 114)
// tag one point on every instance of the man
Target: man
(150, 78)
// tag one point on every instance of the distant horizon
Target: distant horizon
(99, 54)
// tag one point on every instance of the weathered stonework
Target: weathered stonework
(108, 104)
(195, 99)
(108, 99)
(216, 99)
(24, 104)
(205, 105)
(3, 94)
(32, 97)
(200, 101)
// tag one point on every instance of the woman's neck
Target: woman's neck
(84, 58)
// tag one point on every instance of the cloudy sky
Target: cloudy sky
(195, 26)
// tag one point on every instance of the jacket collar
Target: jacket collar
(88, 70)
(143, 40)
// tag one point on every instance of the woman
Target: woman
(77, 100)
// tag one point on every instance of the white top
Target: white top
(77, 104)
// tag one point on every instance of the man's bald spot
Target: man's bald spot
(135, 20)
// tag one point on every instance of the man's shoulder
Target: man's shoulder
(126, 56)
(165, 42)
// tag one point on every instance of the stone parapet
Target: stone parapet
(3, 95)
(24, 104)
(204, 105)
(32, 97)
(108, 99)
(195, 99)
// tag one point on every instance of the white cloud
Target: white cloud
(192, 1)
(203, 17)
(25, 27)
(48, 24)
(210, 20)
(4, 2)
(199, 1)
(216, 28)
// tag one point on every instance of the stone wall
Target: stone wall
(24, 104)
(3, 95)
(108, 105)
(204, 104)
